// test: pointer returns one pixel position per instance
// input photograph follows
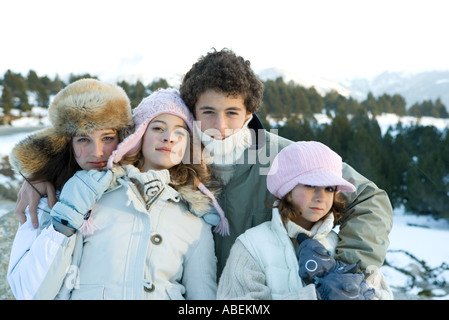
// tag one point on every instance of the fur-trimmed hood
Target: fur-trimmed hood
(199, 203)
(203, 203)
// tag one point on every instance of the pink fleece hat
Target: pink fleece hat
(159, 102)
(306, 162)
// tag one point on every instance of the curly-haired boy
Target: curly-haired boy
(224, 94)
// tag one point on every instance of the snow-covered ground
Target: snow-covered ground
(417, 261)
(386, 120)
(8, 142)
(418, 256)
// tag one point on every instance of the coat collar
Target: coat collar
(258, 133)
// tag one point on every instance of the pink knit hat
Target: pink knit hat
(159, 102)
(306, 162)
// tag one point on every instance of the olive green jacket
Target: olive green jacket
(366, 222)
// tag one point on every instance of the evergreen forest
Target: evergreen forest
(411, 163)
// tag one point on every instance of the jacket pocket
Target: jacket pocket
(88, 292)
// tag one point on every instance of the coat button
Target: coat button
(148, 286)
(156, 239)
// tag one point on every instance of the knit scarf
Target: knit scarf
(222, 155)
(319, 230)
(228, 150)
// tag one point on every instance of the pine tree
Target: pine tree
(441, 109)
(297, 129)
(7, 100)
(271, 100)
(337, 135)
(414, 111)
(365, 151)
(384, 104)
(23, 98)
(56, 85)
(316, 102)
(426, 183)
(138, 92)
(73, 78)
(398, 105)
(370, 104)
(300, 102)
(158, 84)
(397, 165)
(125, 86)
(285, 95)
(42, 96)
(18, 87)
(33, 81)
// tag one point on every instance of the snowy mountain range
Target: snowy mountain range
(322, 85)
(415, 88)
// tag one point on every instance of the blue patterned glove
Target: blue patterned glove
(334, 280)
(343, 286)
(78, 196)
(313, 259)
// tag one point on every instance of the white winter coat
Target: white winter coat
(163, 252)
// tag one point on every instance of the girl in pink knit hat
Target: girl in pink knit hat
(134, 231)
(291, 256)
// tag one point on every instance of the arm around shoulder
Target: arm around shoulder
(366, 223)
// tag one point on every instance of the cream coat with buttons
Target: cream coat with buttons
(164, 252)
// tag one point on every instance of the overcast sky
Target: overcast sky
(328, 38)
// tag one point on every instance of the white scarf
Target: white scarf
(319, 230)
(228, 150)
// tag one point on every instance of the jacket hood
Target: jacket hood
(199, 203)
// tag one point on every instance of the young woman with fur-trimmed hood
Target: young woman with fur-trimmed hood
(128, 232)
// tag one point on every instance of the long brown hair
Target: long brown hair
(59, 169)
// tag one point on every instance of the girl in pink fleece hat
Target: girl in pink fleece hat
(273, 259)
(185, 165)
(305, 178)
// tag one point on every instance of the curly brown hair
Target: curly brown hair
(225, 72)
(288, 211)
